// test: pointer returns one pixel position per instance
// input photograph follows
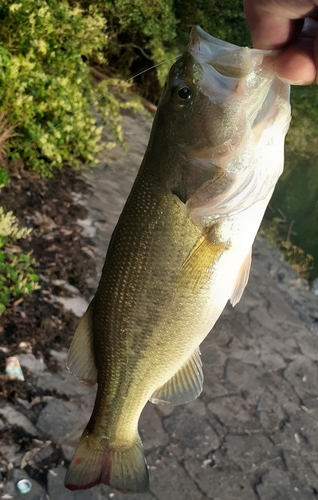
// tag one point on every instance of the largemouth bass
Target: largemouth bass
(180, 251)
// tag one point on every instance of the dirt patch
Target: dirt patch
(62, 253)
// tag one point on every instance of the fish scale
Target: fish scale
(181, 249)
(156, 333)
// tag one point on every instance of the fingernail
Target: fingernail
(293, 82)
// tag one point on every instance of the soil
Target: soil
(62, 255)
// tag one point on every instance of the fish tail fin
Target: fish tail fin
(124, 469)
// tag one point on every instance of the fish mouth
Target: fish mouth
(227, 59)
(235, 73)
(199, 36)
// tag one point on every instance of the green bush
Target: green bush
(138, 28)
(45, 82)
(4, 177)
(17, 277)
(274, 231)
(223, 19)
(45, 50)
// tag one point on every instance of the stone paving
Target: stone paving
(253, 432)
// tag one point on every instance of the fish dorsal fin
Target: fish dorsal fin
(80, 358)
(242, 279)
(184, 386)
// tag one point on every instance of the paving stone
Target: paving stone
(10, 490)
(276, 351)
(151, 430)
(308, 343)
(66, 383)
(197, 407)
(261, 320)
(282, 391)
(77, 305)
(61, 421)
(211, 353)
(113, 179)
(165, 410)
(219, 484)
(59, 355)
(30, 362)
(168, 479)
(68, 451)
(213, 384)
(17, 419)
(288, 436)
(278, 308)
(173, 449)
(276, 485)
(221, 334)
(12, 454)
(57, 490)
(237, 414)
(306, 428)
(302, 373)
(252, 452)
(193, 432)
(270, 411)
(302, 468)
(89, 231)
(102, 492)
(242, 376)
(45, 452)
(252, 299)
(248, 355)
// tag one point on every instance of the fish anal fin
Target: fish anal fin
(242, 279)
(184, 386)
(124, 469)
(80, 358)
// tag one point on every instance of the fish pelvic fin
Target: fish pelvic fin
(185, 385)
(124, 469)
(242, 279)
(80, 358)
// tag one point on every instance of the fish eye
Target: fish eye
(182, 93)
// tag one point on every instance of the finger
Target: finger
(296, 64)
(275, 23)
(268, 31)
(316, 56)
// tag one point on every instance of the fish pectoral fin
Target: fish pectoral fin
(80, 358)
(184, 386)
(242, 279)
(196, 270)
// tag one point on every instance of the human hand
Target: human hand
(290, 25)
